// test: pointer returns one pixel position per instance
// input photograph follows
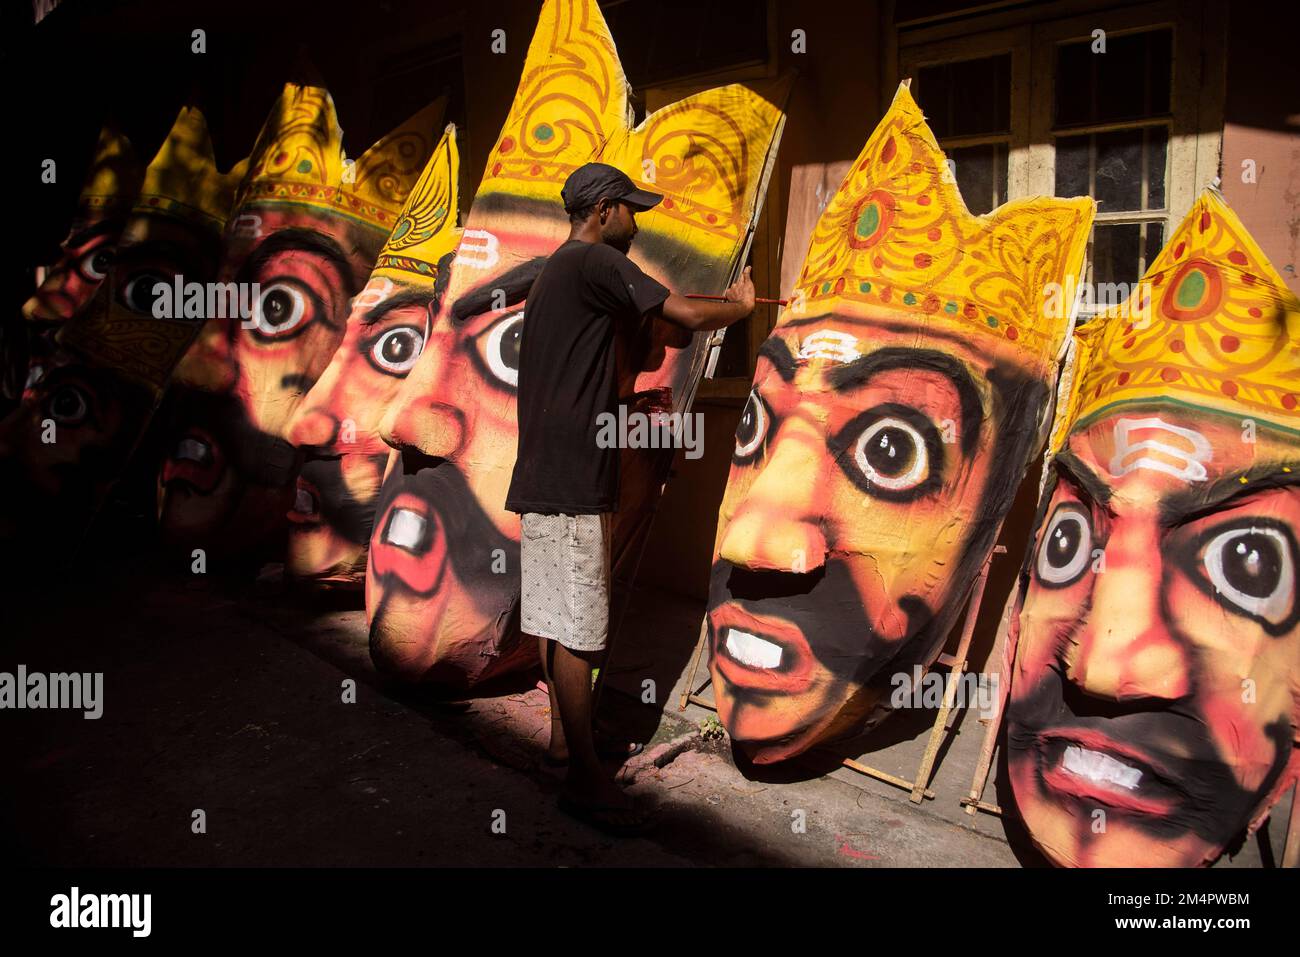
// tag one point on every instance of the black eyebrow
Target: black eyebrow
(1069, 464)
(408, 297)
(1190, 503)
(301, 240)
(91, 232)
(859, 371)
(173, 252)
(515, 283)
(777, 352)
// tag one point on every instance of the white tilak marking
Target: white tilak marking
(1192, 469)
(377, 290)
(829, 344)
(478, 249)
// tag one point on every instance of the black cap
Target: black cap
(596, 181)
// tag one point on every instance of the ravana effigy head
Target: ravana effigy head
(1155, 693)
(895, 407)
(337, 422)
(442, 586)
(307, 225)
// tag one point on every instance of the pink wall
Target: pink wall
(1262, 123)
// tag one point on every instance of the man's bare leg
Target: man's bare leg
(588, 781)
(558, 749)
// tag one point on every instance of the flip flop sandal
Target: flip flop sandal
(608, 750)
(616, 821)
(621, 750)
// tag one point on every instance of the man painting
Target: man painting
(564, 485)
(443, 583)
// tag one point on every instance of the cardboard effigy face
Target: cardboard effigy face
(443, 581)
(82, 416)
(86, 255)
(1154, 705)
(337, 424)
(894, 409)
(306, 230)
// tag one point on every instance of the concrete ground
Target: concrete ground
(229, 700)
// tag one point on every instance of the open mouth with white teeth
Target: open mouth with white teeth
(193, 450)
(751, 650)
(407, 529)
(306, 503)
(1088, 767)
(760, 652)
(410, 544)
(1100, 768)
(194, 460)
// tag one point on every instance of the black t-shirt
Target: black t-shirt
(585, 296)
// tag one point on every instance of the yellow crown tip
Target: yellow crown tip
(299, 160)
(183, 181)
(426, 227)
(897, 237)
(114, 179)
(1211, 324)
(571, 108)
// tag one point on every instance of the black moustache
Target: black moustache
(340, 511)
(826, 606)
(1213, 804)
(254, 456)
(471, 537)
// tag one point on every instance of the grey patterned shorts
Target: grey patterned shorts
(565, 568)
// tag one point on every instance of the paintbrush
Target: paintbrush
(699, 295)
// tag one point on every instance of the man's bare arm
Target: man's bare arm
(701, 315)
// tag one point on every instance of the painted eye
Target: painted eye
(752, 428)
(892, 455)
(68, 405)
(503, 348)
(279, 311)
(397, 349)
(94, 264)
(138, 296)
(1252, 568)
(1066, 547)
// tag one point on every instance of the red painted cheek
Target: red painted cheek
(1044, 635)
(78, 290)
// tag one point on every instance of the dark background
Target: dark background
(382, 60)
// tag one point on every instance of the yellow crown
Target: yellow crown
(113, 182)
(897, 238)
(1211, 325)
(707, 154)
(299, 160)
(183, 180)
(426, 228)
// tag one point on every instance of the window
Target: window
(1111, 138)
(968, 104)
(1137, 126)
